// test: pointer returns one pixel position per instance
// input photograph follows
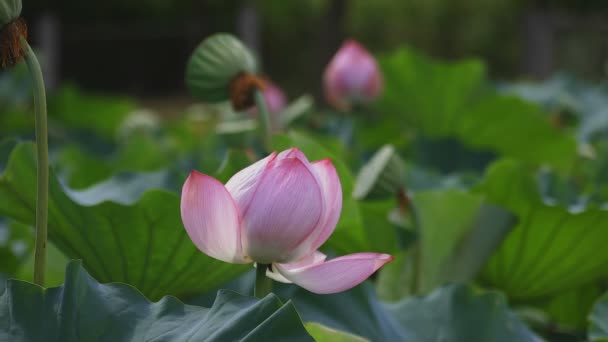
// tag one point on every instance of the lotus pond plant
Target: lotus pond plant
(482, 225)
(276, 213)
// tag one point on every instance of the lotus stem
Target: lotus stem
(416, 256)
(43, 163)
(260, 103)
(263, 284)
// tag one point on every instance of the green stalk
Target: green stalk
(42, 202)
(416, 256)
(264, 117)
(263, 284)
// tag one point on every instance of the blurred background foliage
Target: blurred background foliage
(115, 35)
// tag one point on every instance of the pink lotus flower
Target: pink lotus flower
(278, 211)
(352, 76)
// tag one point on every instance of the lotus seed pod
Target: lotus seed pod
(222, 68)
(9, 11)
(12, 28)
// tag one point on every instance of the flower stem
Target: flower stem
(260, 103)
(416, 256)
(263, 284)
(43, 162)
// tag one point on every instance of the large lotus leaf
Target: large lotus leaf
(142, 243)
(552, 249)
(598, 328)
(426, 94)
(451, 313)
(84, 310)
(442, 101)
(350, 235)
(460, 313)
(458, 232)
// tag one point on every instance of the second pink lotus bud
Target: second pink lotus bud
(276, 101)
(352, 77)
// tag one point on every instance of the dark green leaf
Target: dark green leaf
(451, 313)
(141, 243)
(460, 313)
(84, 310)
(357, 311)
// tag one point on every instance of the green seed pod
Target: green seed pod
(215, 64)
(9, 11)
(382, 177)
(12, 29)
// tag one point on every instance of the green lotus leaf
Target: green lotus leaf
(552, 248)
(122, 233)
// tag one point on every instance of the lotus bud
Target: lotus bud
(352, 77)
(276, 101)
(275, 97)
